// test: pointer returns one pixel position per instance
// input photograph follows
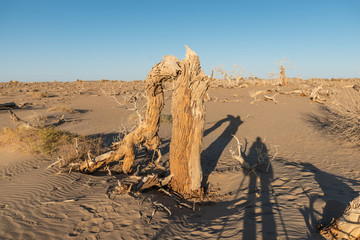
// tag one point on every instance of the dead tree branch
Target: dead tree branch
(146, 134)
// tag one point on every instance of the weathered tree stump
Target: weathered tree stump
(188, 113)
(190, 86)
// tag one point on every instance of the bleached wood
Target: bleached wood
(348, 225)
(188, 113)
(146, 134)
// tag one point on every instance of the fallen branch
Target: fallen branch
(146, 134)
(301, 93)
(253, 94)
(315, 93)
(175, 198)
(272, 98)
(161, 206)
(19, 122)
(238, 156)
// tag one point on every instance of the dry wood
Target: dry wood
(188, 113)
(19, 122)
(282, 75)
(272, 98)
(302, 93)
(235, 79)
(253, 94)
(146, 133)
(315, 93)
(238, 157)
(348, 225)
(161, 206)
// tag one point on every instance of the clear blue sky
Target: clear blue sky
(67, 39)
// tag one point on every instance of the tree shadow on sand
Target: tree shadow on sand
(211, 155)
(336, 193)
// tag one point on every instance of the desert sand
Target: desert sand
(308, 179)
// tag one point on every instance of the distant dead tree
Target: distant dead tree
(235, 78)
(281, 75)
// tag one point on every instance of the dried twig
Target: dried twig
(272, 98)
(161, 206)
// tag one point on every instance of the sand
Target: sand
(311, 177)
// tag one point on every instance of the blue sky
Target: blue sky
(121, 40)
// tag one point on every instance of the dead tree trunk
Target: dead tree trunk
(147, 132)
(188, 125)
(348, 225)
(282, 76)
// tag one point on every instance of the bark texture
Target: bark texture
(348, 225)
(188, 125)
(147, 132)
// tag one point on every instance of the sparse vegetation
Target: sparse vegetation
(341, 119)
(48, 141)
(34, 140)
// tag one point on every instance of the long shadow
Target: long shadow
(336, 194)
(258, 154)
(211, 155)
(229, 211)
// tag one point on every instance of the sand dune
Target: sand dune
(311, 177)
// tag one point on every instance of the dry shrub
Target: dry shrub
(342, 119)
(62, 108)
(48, 141)
(43, 141)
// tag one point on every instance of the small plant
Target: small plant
(49, 141)
(11, 82)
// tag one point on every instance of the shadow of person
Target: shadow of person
(259, 159)
(211, 155)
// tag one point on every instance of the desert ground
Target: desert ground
(307, 177)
